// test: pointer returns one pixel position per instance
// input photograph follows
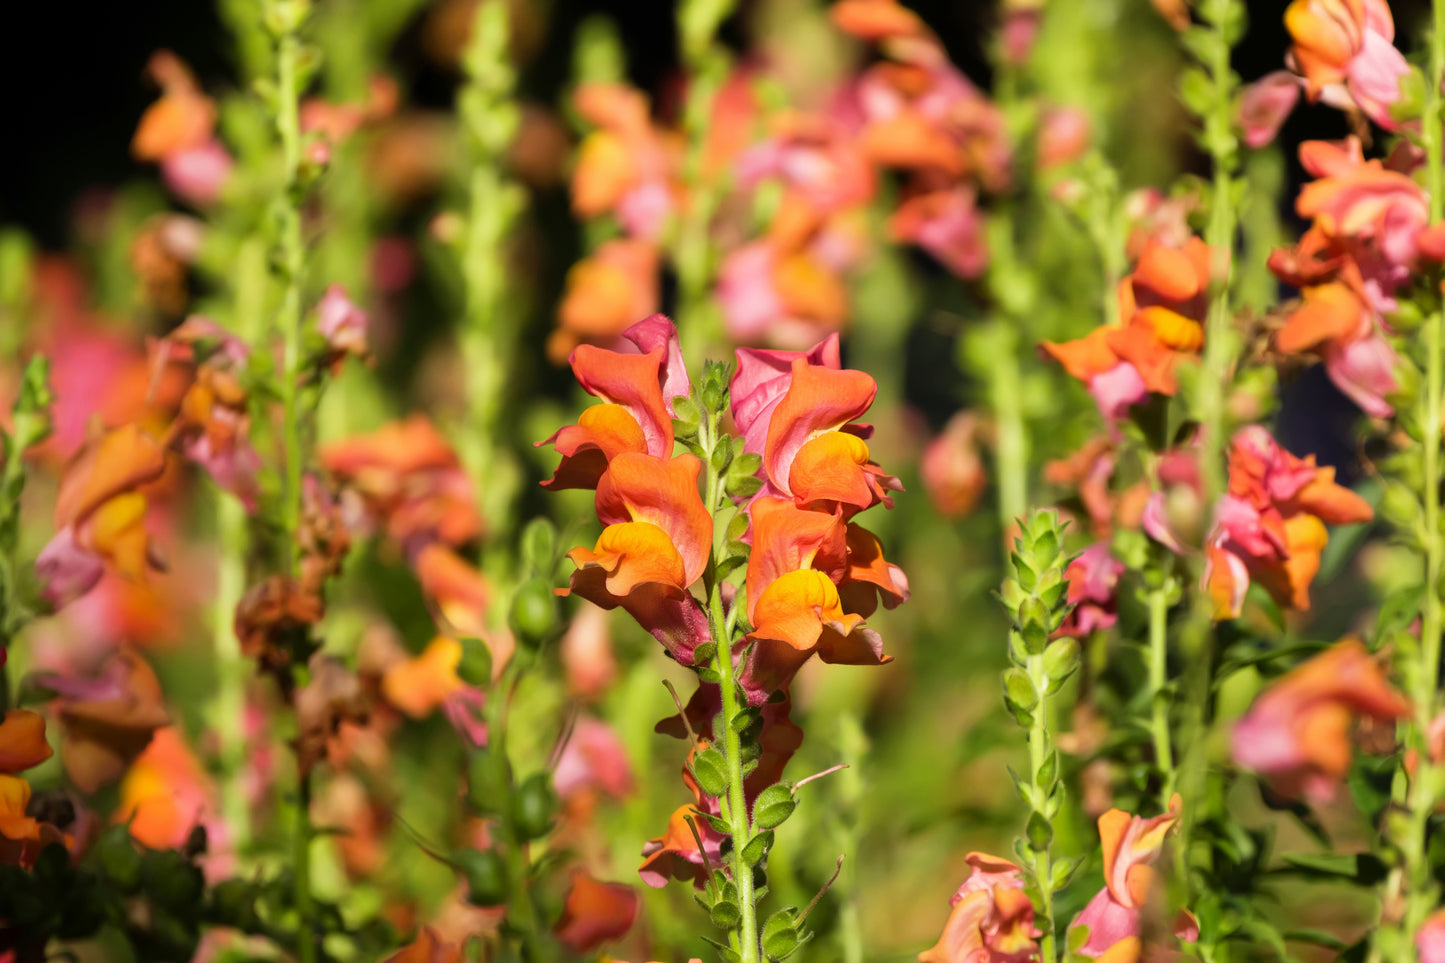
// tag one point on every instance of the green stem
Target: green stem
(1158, 686)
(522, 915)
(736, 809)
(291, 258)
(227, 711)
(292, 264)
(306, 944)
(1042, 868)
(1415, 876)
(1012, 433)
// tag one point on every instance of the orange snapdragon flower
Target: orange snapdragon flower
(182, 119)
(626, 165)
(1297, 733)
(799, 560)
(655, 545)
(594, 912)
(1162, 305)
(411, 482)
(814, 453)
(22, 746)
(1337, 320)
(1271, 524)
(636, 388)
(109, 719)
(604, 292)
(992, 920)
(100, 514)
(1114, 916)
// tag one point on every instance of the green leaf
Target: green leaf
(757, 848)
(710, 770)
(686, 412)
(1018, 689)
(1062, 872)
(780, 935)
(744, 486)
(1039, 832)
(1366, 869)
(1061, 658)
(725, 914)
(773, 815)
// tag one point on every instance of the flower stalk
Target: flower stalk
(721, 629)
(1412, 891)
(1036, 597)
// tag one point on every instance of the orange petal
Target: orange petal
(633, 554)
(22, 741)
(818, 399)
(121, 460)
(1329, 311)
(663, 493)
(419, 686)
(1085, 357)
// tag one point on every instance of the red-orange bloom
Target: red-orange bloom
(1271, 525)
(1362, 200)
(605, 292)
(813, 451)
(1114, 916)
(1297, 732)
(636, 410)
(656, 544)
(411, 482)
(595, 912)
(182, 119)
(793, 600)
(108, 720)
(1161, 307)
(22, 741)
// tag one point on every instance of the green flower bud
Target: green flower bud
(486, 874)
(534, 807)
(475, 668)
(534, 612)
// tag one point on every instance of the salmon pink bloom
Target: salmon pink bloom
(410, 482)
(785, 295)
(1349, 43)
(762, 379)
(1297, 732)
(1338, 320)
(1115, 915)
(992, 920)
(594, 913)
(626, 165)
(341, 323)
(1093, 591)
(947, 224)
(952, 469)
(100, 515)
(420, 686)
(637, 392)
(166, 793)
(817, 161)
(594, 759)
(1265, 105)
(1365, 202)
(655, 545)
(675, 854)
(178, 132)
(1271, 524)
(1430, 938)
(428, 947)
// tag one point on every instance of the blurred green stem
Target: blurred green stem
(522, 917)
(1012, 433)
(286, 18)
(489, 342)
(1158, 690)
(1414, 880)
(706, 65)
